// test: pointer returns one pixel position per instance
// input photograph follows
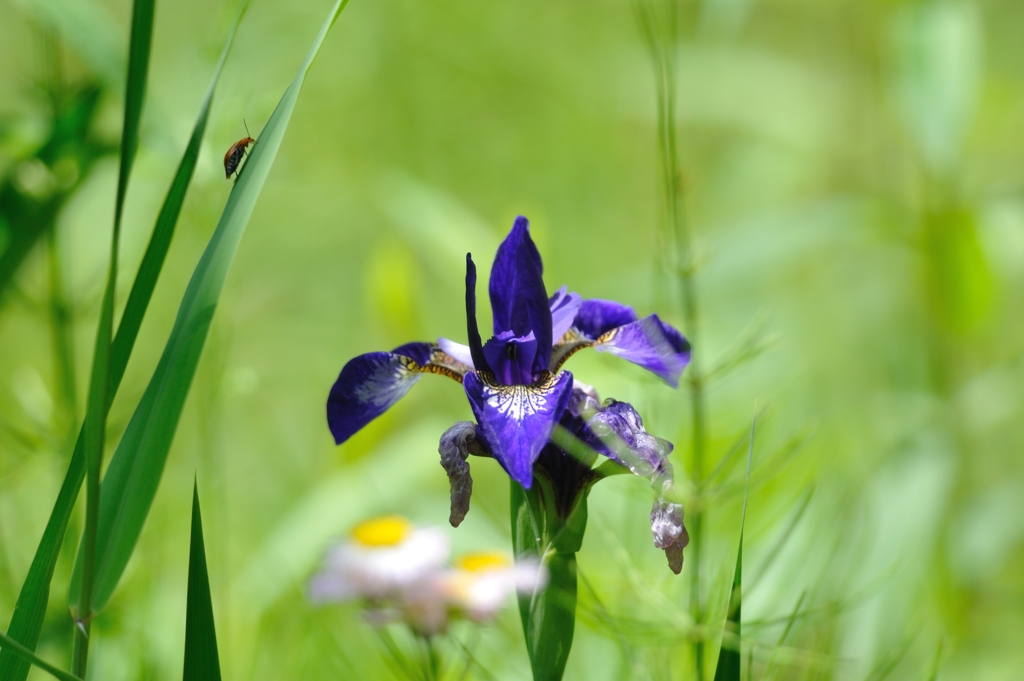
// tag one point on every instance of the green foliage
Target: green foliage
(730, 655)
(87, 27)
(98, 403)
(31, 200)
(202, 663)
(28, 656)
(134, 473)
(26, 623)
(27, 620)
(958, 272)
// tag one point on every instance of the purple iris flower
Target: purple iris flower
(514, 381)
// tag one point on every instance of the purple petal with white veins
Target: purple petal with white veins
(596, 317)
(518, 299)
(370, 384)
(564, 306)
(516, 421)
(457, 351)
(651, 343)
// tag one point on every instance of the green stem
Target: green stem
(80, 650)
(540, 533)
(679, 262)
(95, 427)
(696, 519)
(433, 662)
(101, 379)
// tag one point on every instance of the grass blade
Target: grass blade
(729, 658)
(167, 220)
(134, 473)
(27, 620)
(201, 660)
(30, 657)
(99, 385)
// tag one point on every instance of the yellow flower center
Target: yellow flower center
(388, 530)
(480, 562)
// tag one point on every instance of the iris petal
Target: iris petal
(511, 359)
(417, 351)
(564, 308)
(518, 299)
(596, 317)
(472, 331)
(615, 328)
(616, 430)
(369, 384)
(457, 443)
(651, 343)
(669, 532)
(458, 351)
(515, 421)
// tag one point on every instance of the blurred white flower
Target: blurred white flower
(402, 574)
(480, 583)
(382, 558)
(475, 588)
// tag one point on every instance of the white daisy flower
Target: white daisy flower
(381, 558)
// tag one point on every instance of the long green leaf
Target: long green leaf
(27, 620)
(201, 660)
(31, 658)
(729, 659)
(134, 473)
(98, 404)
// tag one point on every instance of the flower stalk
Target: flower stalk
(662, 39)
(549, 614)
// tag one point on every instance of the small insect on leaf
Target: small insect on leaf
(235, 154)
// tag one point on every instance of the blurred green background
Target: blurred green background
(852, 175)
